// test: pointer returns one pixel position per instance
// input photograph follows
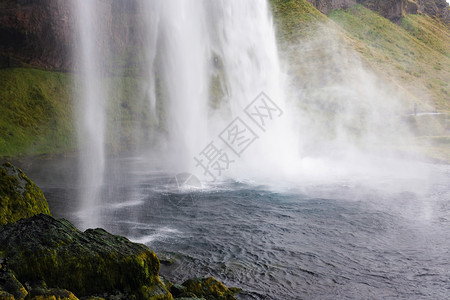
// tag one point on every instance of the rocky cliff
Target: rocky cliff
(35, 32)
(326, 6)
(435, 8)
(393, 10)
(41, 32)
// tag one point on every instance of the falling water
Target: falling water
(213, 59)
(90, 110)
(205, 62)
(247, 45)
(184, 71)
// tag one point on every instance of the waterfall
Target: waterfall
(212, 72)
(213, 59)
(184, 70)
(90, 97)
(206, 62)
(247, 44)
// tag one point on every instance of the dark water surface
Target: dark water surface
(340, 240)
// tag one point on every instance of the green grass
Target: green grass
(35, 112)
(295, 19)
(414, 55)
(431, 32)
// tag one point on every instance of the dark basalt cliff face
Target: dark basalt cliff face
(393, 10)
(438, 8)
(35, 32)
(41, 33)
(326, 6)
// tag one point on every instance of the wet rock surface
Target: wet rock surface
(19, 196)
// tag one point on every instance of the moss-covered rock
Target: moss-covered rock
(94, 262)
(50, 294)
(6, 296)
(10, 286)
(19, 196)
(189, 298)
(177, 290)
(208, 288)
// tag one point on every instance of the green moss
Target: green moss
(36, 114)
(89, 263)
(6, 296)
(19, 196)
(209, 288)
(44, 293)
(10, 285)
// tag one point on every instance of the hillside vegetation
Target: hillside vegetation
(411, 59)
(36, 114)
(415, 53)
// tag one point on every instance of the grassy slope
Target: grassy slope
(36, 112)
(416, 58)
(430, 31)
(295, 19)
(412, 57)
(415, 54)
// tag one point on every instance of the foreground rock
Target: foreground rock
(203, 288)
(94, 262)
(19, 196)
(44, 258)
(10, 287)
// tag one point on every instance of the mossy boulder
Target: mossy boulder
(19, 196)
(10, 287)
(208, 288)
(94, 262)
(189, 298)
(50, 294)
